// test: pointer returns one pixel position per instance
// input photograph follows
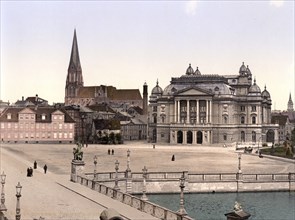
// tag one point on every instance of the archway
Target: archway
(189, 137)
(270, 136)
(199, 137)
(179, 137)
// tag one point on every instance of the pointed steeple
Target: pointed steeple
(290, 104)
(75, 59)
(74, 78)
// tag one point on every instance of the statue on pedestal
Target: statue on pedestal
(78, 153)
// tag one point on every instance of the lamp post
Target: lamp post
(82, 119)
(2, 205)
(128, 170)
(144, 175)
(116, 177)
(95, 162)
(18, 195)
(181, 210)
(239, 165)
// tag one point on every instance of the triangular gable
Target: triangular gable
(193, 91)
(57, 112)
(27, 111)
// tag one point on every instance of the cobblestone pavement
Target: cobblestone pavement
(41, 196)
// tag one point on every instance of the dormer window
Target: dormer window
(43, 117)
(9, 116)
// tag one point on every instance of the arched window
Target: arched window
(225, 119)
(243, 120)
(253, 120)
(253, 136)
(155, 118)
(243, 136)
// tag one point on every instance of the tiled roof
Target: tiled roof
(111, 93)
(47, 111)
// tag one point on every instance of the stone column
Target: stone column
(77, 168)
(197, 113)
(187, 112)
(207, 111)
(211, 111)
(175, 111)
(178, 111)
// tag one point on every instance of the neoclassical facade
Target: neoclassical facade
(209, 109)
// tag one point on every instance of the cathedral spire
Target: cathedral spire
(75, 59)
(74, 78)
(290, 104)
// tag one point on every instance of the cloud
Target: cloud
(191, 7)
(277, 3)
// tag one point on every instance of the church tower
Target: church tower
(290, 104)
(74, 78)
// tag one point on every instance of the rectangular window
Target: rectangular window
(70, 135)
(65, 135)
(243, 108)
(60, 126)
(54, 135)
(60, 135)
(8, 125)
(43, 117)
(15, 126)
(71, 126)
(253, 108)
(8, 116)
(2, 125)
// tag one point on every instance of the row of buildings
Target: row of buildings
(193, 109)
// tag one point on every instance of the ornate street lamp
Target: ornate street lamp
(240, 165)
(116, 177)
(18, 195)
(144, 175)
(2, 205)
(128, 170)
(95, 162)
(181, 210)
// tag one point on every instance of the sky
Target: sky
(128, 43)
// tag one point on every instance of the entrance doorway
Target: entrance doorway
(189, 137)
(199, 137)
(179, 137)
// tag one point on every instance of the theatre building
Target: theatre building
(200, 109)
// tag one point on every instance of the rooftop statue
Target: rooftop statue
(237, 206)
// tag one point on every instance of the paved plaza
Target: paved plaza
(53, 196)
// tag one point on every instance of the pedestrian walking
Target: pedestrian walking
(35, 165)
(45, 168)
(109, 151)
(173, 158)
(112, 151)
(31, 171)
(28, 172)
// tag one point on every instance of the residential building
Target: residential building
(36, 125)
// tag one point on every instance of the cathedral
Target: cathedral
(201, 109)
(78, 94)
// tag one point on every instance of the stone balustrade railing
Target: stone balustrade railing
(135, 202)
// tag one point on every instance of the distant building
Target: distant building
(36, 125)
(201, 109)
(78, 94)
(286, 121)
(31, 101)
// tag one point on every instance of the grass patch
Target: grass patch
(277, 151)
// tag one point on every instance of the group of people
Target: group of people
(30, 169)
(109, 151)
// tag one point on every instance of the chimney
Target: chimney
(22, 98)
(36, 98)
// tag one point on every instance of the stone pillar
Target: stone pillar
(178, 111)
(211, 111)
(197, 113)
(175, 111)
(77, 168)
(207, 111)
(187, 112)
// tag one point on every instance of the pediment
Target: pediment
(57, 112)
(27, 111)
(193, 91)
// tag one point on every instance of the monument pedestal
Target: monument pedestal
(76, 169)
